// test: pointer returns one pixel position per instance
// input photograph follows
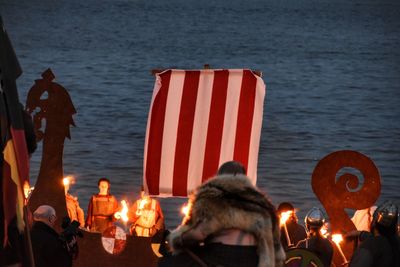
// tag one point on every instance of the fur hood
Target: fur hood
(225, 202)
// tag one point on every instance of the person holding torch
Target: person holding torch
(316, 242)
(291, 231)
(75, 212)
(146, 216)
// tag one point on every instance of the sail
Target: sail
(199, 119)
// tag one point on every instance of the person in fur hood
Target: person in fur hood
(230, 223)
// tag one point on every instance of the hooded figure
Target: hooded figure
(225, 204)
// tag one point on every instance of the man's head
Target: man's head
(231, 167)
(104, 186)
(45, 214)
(314, 220)
(285, 207)
(385, 218)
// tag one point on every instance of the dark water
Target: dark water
(332, 70)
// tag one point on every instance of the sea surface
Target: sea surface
(332, 70)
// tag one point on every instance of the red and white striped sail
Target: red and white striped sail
(199, 119)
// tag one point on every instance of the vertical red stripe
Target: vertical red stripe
(215, 124)
(184, 134)
(156, 129)
(245, 118)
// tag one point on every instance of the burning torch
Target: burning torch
(337, 239)
(283, 218)
(123, 213)
(27, 191)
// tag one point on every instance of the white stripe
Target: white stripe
(199, 135)
(173, 106)
(256, 130)
(231, 111)
(156, 90)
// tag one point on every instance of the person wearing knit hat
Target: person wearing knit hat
(230, 223)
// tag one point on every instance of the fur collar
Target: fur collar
(226, 202)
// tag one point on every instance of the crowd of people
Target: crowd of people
(230, 223)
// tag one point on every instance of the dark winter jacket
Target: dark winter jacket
(48, 249)
(213, 255)
(375, 251)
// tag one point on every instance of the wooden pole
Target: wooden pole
(28, 241)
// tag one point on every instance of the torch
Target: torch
(27, 191)
(283, 218)
(337, 238)
(123, 213)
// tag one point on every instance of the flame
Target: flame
(27, 189)
(123, 213)
(185, 209)
(285, 216)
(337, 238)
(66, 181)
(323, 232)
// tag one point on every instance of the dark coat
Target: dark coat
(375, 251)
(320, 246)
(48, 249)
(296, 233)
(214, 254)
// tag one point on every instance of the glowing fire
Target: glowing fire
(324, 232)
(66, 181)
(185, 209)
(337, 238)
(27, 190)
(123, 213)
(285, 216)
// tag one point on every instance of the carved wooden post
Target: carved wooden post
(339, 193)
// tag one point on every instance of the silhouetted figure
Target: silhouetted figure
(381, 247)
(48, 249)
(231, 167)
(296, 231)
(315, 242)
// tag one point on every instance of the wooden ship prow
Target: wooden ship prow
(56, 108)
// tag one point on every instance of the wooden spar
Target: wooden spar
(206, 67)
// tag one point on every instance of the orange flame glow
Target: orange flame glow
(185, 209)
(337, 238)
(27, 189)
(285, 216)
(123, 213)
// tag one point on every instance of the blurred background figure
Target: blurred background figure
(102, 207)
(380, 247)
(362, 218)
(232, 167)
(315, 242)
(146, 216)
(295, 232)
(75, 213)
(48, 249)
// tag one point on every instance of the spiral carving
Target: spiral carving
(345, 192)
